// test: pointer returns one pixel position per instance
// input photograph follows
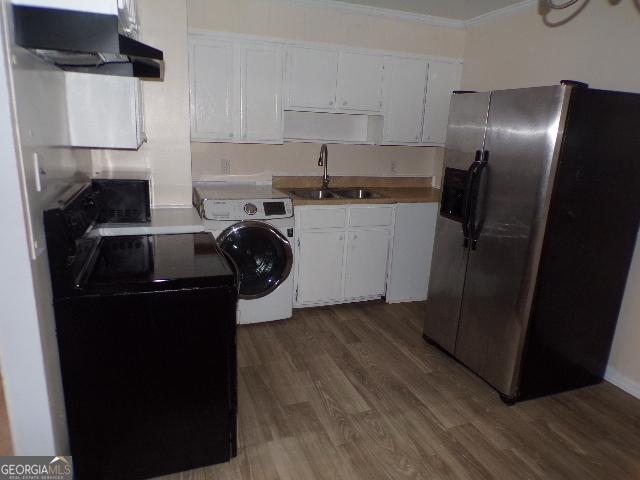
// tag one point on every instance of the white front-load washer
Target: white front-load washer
(254, 227)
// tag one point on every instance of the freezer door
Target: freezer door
(465, 139)
(522, 137)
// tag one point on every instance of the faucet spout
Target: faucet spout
(322, 162)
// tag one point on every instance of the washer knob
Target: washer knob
(250, 209)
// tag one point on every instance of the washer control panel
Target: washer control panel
(254, 209)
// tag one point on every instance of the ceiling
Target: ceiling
(455, 9)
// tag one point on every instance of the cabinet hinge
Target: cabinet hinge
(298, 242)
(297, 294)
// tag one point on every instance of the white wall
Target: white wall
(599, 46)
(167, 153)
(318, 23)
(31, 93)
(263, 161)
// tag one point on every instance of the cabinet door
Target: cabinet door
(320, 265)
(415, 227)
(311, 75)
(261, 92)
(212, 93)
(443, 79)
(366, 267)
(405, 81)
(360, 82)
(116, 113)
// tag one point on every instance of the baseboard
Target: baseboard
(629, 385)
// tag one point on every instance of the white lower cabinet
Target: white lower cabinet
(366, 263)
(351, 253)
(415, 227)
(320, 267)
(341, 253)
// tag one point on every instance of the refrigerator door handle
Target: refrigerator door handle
(466, 208)
(474, 230)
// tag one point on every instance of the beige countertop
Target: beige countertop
(392, 189)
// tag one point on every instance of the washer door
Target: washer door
(262, 254)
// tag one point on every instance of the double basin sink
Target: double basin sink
(358, 193)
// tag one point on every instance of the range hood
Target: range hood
(84, 42)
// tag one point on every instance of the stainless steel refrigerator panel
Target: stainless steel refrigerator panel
(465, 135)
(521, 147)
(466, 130)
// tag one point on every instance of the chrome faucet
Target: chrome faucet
(322, 162)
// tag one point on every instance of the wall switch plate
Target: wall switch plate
(225, 166)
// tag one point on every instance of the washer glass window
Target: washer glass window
(262, 254)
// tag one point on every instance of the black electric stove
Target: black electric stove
(146, 328)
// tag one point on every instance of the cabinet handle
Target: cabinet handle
(330, 102)
(344, 104)
(231, 135)
(355, 237)
(417, 137)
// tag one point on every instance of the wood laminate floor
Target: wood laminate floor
(353, 392)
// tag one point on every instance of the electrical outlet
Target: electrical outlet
(225, 166)
(394, 167)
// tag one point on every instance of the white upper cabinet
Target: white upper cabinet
(236, 90)
(116, 119)
(261, 90)
(109, 7)
(360, 82)
(213, 78)
(311, 78)
(405, 81)
(246, 90)
(443, 79)
(330, 80)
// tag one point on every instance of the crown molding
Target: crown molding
(379, 12)
(410, 16)
(501, 12)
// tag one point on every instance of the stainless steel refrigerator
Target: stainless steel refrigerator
(538, 222)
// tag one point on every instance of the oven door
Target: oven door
(262, 254)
